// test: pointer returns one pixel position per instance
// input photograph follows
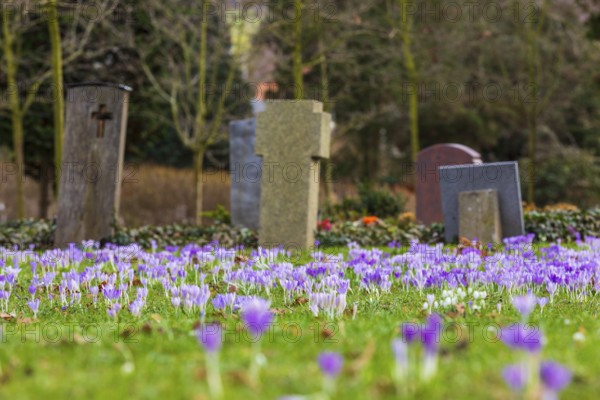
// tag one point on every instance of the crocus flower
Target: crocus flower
(330, 363)
(524, 304)
(555, 378)
(430, 338)
(400, 371)
(210, 337)
(522, 337)
(542, 301)
(431, 333)
(34, 305)
(113, 309)
(410, 331)
(515, 376)
(256, 315)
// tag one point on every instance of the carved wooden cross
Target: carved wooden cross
(101, 115)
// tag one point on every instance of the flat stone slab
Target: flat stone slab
(502, 177)
(246, 172)
(427, 182)
(479, 216)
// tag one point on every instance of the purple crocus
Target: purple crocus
(34, 305)
(524, 304)
(113, 310)
(555, 378)
(256, 315)
(400, 350)
(515, 376)
(210, 337)
(410, 331)
(431, 333)
(430, 338)
(522, 337)
(330, 363)
(542, 301)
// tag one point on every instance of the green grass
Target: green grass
(157, 356)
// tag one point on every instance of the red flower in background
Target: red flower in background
(369, 220)
(324, 225)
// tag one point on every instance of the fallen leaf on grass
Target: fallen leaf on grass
(326, 333)
(240, 259)
(301, 300)
(459, 311)
(7, 317)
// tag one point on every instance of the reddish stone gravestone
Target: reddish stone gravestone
(427, 182)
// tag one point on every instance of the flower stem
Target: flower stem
(533, 367)
(256, 363)
(215, 386)
(328, 386)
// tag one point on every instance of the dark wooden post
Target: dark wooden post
(92, 161)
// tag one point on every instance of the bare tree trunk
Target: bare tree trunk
(297, 52)
(44, 188)
(17, 128)
(198, 188)
(411, 72)
(532, 150)
(57, 83)
(16, 114)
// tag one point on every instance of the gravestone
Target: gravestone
(92, 161)
(502, 177)
(479, 216)
(246, 168)
(291, 137)
(427, 183)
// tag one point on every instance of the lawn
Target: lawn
(99, 334)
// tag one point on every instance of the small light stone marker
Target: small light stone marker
(291, 136)
(502, 177)
(479, 216)
(246, 170)
(92, 161)
(427, 182)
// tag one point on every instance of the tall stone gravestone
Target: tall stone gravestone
(427, 182)
(291, 136)
(92, 161)
(246, 169)
(502, 177)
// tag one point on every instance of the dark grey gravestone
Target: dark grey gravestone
(502, 177)
(246, 168)
(92, 161)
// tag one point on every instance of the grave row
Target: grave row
(278, 155)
